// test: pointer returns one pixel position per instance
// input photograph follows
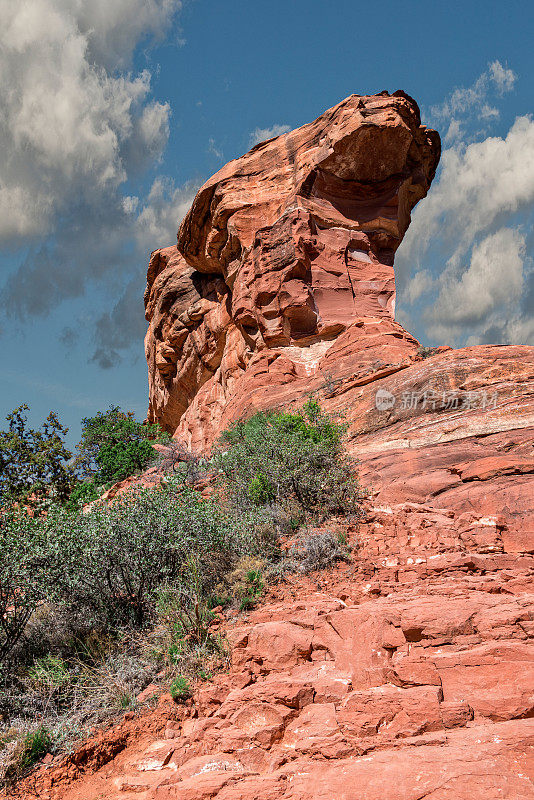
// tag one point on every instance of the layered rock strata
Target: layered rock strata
(407, 674)
(282, 285)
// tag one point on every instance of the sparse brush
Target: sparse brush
(181, 462)
(318, 551)
(26, 752)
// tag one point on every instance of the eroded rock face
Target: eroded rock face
(282, 285)
(286, 254)
(405, 674)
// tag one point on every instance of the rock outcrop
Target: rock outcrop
(284, 263)
(408, 673)
(282, 285)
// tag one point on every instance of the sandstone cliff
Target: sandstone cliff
(284, 265)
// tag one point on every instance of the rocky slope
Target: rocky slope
(409, 673)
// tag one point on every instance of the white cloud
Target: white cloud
(71, 127)
(477, 185)
(493, 282)
(154, 224)
(158, 220)
(420, 284)
(468, 103)
(466, 244)
(503, 78)
(261, 134)
(214, 150)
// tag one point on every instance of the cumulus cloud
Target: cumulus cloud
(477, 185)
(488, 289)
(71, 127)
(421, 283)
(473, 103)
(466, 258)
(261, 134)
(75, 126)
(159, 216)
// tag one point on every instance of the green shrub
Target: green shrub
(261, 490)
(289, 458)
(83, 493)
(114, 446)
(253, 589)
(188, 617)
(49, 672)
(22, 588)
(180, 689)
(426, 352)
(108, 563)
(34, 746)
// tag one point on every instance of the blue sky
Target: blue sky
(114, 113)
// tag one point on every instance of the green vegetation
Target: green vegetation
(97, 604)
(37, 470)
(180, 689)
(114, 446)
(34, 746)
(289, 459)
(33, 466)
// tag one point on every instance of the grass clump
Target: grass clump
(314, 551)
(180, 690)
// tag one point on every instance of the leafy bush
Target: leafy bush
(318, 551)
(33, 463)
(187, 616)
(35, 746)
(109, 562)
(82, 494)
(114, 446)
(21, 583)
(49, 672)
(289, 457)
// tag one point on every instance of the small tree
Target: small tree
(279, 457)
(33, 463)
(114, 446)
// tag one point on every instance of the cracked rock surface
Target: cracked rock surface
(405, 674)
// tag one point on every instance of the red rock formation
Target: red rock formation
(406, 674)
(287, 254)
(282, 284)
